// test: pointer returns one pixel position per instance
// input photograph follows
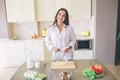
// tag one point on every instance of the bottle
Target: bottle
(37, 64)
(29, 61)
(65, 58)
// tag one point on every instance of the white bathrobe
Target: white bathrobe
(60, 40)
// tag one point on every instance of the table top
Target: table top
(52, 74)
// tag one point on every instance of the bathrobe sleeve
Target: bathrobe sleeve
(72, 38)
(48, 41)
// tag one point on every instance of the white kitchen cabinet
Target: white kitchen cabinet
(28, 8)
(64, 4)
(36, 48)
(2, 53)
(20, 10)
(79, 9)
(14, 10)
(83, 54)
(15, 53)
(45, 10)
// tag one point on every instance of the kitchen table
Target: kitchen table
(53, 74)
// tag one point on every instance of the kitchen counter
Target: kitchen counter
(52, 74)
(41, 38)
(4, 39)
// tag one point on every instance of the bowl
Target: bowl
(64, 75)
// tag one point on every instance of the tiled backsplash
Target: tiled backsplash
(83, 25)
(24, 30)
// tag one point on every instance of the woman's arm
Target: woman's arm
(72, 39)
(48, 41)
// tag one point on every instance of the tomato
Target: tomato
(100, 67)
(97, 68)
(92, 67)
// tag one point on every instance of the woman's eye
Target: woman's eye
(63, 15)
(59, 14)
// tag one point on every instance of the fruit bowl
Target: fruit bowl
(64, 75)
(100, 75)
(97, 69)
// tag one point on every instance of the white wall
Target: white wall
(3, 23)
(105, 12)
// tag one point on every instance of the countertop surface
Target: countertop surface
(22, 39)
(52, 74)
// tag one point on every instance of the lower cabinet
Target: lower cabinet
(2, 53)
(15, 53)
(83, 54)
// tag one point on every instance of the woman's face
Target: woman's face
(61, 16)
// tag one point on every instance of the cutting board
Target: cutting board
(63, 65)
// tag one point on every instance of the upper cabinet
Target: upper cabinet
(64, 4)
(20, 10)
(81, 9)
(28, 9)
(78, 9)
(44, 10)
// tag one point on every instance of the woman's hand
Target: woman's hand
(65, 50)
(56, 49)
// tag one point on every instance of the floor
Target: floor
(6, 73)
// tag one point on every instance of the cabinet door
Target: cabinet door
(36, 48)
(63, 4)
(20, 10)
(14, 10)
(2, 53)
(28, 9)
(83, 54)
(15, 53)
(79, 9)
(45, 10)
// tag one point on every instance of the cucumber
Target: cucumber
(89, 73)
(39, 76)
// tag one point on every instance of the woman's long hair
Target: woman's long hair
(66, 21)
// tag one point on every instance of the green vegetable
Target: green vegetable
(89, 73)
(39, 76)
(34, 76)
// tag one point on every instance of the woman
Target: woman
(60, 37)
